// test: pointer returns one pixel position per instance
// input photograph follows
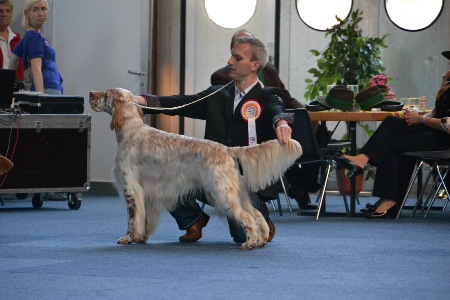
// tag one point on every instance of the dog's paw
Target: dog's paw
(260, 244)
(124, 241)
(248, 246)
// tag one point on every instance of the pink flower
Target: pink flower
(380, 81)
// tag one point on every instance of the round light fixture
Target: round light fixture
(321, 14)
(230, 13)
(413, 15)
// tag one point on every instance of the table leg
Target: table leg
(353, 180)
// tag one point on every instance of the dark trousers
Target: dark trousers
(187, 214)
(385, 148)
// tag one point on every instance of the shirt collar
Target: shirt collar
(244, 92)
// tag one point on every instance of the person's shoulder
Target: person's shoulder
(31, 35)
(271, 90)
(269, 67)
(220, 76)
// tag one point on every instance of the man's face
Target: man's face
(5, 15)
(240, 64)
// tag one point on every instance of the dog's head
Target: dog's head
(106, 101)
(112, 101)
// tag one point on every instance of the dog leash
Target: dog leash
(184, 105)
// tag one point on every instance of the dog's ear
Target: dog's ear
(141, 113)
(117, 115)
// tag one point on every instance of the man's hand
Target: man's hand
(283, 131)
(139, 100)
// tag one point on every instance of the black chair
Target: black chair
(334, 148)
(439, 162)
(313, 154)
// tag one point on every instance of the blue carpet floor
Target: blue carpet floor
(58, 253)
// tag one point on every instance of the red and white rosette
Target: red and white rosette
(250, 111)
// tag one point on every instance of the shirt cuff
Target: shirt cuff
(151, 100)
(445, 123)
(288, 117)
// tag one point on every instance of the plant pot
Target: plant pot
(358, 185)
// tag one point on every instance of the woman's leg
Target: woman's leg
(394, 172)
(380, 143)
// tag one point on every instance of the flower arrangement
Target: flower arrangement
(381, 81)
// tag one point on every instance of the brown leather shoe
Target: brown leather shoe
(194, 233)
(271, 231)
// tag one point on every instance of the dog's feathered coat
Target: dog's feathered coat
(155, 169)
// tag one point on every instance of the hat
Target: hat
(373, 98)
(340, 97)
(316, 105)
(390, 105)
(370, 97)
(446, 54)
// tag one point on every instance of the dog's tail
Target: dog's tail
(263, 164)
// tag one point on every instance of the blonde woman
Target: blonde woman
(36, 51)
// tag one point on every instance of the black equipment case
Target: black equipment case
(37, 103)
(51, 153)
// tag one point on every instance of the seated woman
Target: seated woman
(394, 136)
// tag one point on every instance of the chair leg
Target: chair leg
(279, 205)
(434, 189)
(273, 204)
(322, 191)
(422, 192)
(288, 200)
(419, 165)
(446, 190)
(439, 179)
(340, 182)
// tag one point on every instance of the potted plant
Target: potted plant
(350, 58)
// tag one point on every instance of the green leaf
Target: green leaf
(349, 57)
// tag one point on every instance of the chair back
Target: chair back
(302, 133)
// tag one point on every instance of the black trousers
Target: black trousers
(385, 151)
(187, 214)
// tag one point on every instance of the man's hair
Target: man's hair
(259, 52)
(28, 5)
(238, 34)
(7, 2)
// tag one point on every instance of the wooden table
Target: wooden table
(352, 118)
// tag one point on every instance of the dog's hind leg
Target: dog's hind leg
(232, 206)
(134, 198)
(263, 226)
(151, 217)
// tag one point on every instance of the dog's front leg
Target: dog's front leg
(136, 215)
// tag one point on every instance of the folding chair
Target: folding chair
(312, 154)
(439, 162)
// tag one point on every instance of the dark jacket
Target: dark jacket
(222, 124)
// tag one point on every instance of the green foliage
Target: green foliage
(350, 58)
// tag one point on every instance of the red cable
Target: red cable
(14, 148)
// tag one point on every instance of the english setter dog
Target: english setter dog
(154, 169)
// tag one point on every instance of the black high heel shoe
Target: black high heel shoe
(353, 169)
(391, 213)
(370, 208)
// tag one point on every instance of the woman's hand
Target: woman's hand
(412, 117)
